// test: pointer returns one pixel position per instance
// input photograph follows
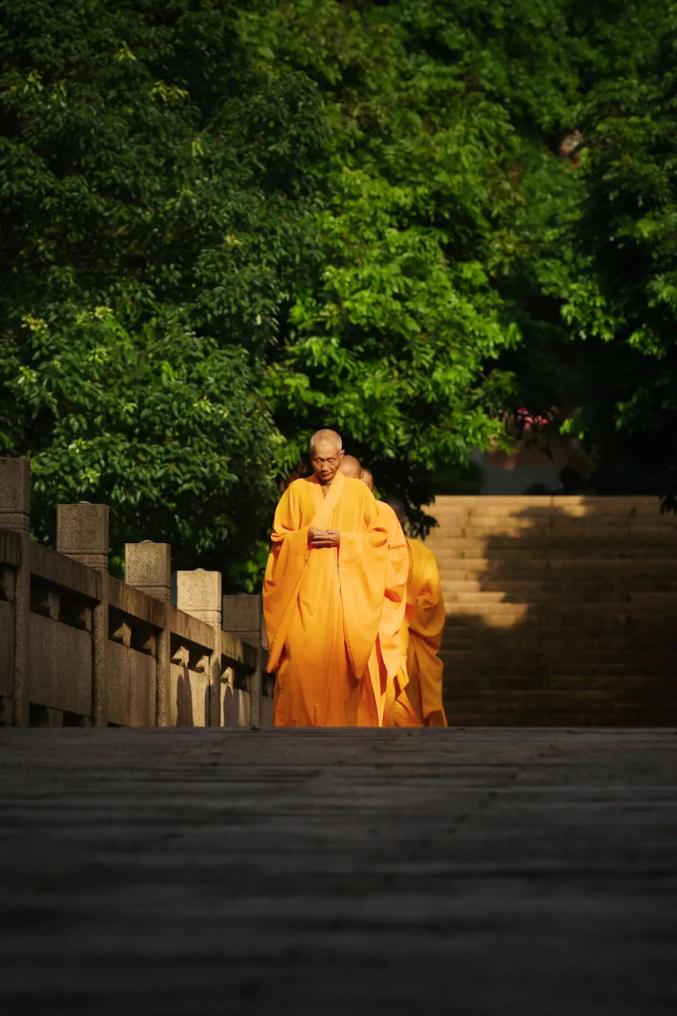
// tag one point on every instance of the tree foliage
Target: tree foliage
(226, 224)
(156, 210)
(593, 289)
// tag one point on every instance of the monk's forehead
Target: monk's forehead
(326, 439)
(326, 446)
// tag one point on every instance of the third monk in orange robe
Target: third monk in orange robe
(323, 592)
(425, 622)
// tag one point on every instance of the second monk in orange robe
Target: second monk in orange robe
(388, 661)
(323, 592)
(421, 638)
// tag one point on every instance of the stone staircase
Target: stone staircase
(560, 610)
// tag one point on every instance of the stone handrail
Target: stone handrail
(79, 647)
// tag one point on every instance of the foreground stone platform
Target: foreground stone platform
(340, 872)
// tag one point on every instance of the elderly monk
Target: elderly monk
(425, 617)
(388, 662)
(323, 591)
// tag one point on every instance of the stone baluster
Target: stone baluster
(15, 495)
(82, 534)
(198, 593)
(15, 515)
(148, 567)
(242, 618)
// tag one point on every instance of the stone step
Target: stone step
(601, 597)
(544, 658)
(572, 714)
(526, 700)
(559, 610)
(554, 520)
(584, 661)
(531, 698)
(571, 504)
(510, 628)
(524, 619)
(657, 714)
(467, 685)
(594, 549)
(563, 584)
(487, 512)
(519, 568)
(548, 667)
(551, 527)
(558, 641)
(633, 604)
(557, 529)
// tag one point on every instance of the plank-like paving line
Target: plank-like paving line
(338, 872)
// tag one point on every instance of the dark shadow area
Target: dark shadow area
(561, 613)
(184, 699)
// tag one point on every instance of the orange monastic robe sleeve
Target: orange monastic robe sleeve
(323, 606)
(286, 562)
(425, 620)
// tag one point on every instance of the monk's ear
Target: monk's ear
(341, 454)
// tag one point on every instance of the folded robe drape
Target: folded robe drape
(387, 662)
(425, 617)
(322, 606)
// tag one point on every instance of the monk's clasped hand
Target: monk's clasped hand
(323, 537)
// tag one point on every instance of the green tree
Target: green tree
(592, 288)
(628, 228)
(157, 215)
(148, 429)
(397, 338)
(225, 224)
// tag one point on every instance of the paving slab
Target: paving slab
(476, 871)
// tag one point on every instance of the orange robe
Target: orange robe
(323, 605)
(425, 617)
(387, 668)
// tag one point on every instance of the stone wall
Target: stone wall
(80, 647)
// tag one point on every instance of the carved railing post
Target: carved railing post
(198, 593)
(15, 514)
(82, 533)
(148, 567)
(242, 618)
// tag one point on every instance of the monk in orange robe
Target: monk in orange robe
(425, 617)
(387, 663)
(323, 592)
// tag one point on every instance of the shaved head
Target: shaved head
(397, 506)
(350, 466)
(326, 437)
(326, 452)
(368, 477)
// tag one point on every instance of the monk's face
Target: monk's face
(325, 460)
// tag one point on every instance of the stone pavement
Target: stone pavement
(484, 871)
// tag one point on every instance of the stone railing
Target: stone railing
(80, 647)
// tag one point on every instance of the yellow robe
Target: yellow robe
(425, 617)
(323, 606)
(387, 667)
